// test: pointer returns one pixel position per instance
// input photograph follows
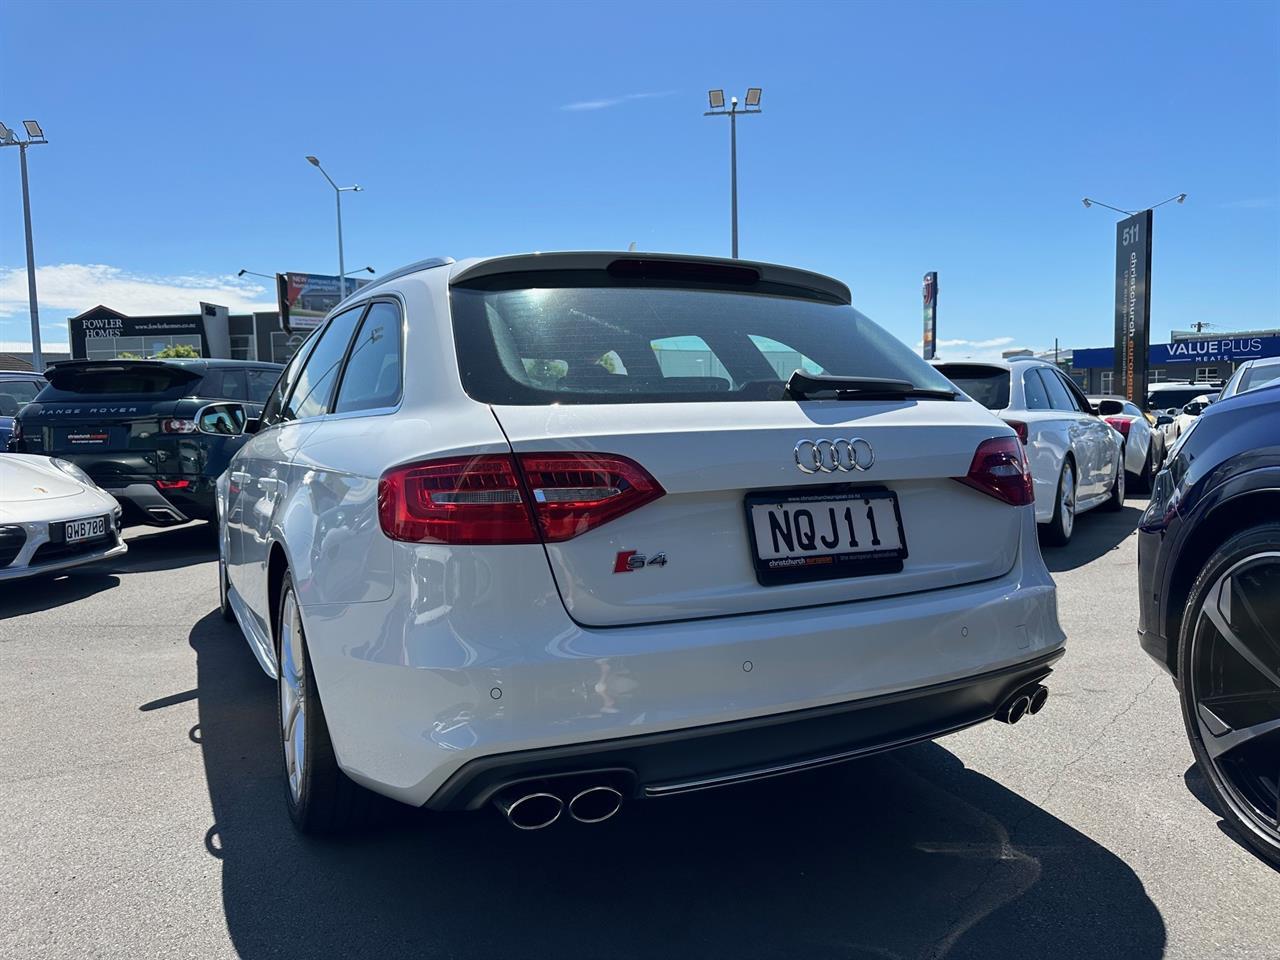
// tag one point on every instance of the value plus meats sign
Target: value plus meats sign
(1133, 305)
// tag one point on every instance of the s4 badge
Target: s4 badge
(628, 561)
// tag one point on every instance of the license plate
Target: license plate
(819, 536)
(88, 437)
(76, 530)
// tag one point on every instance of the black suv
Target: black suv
(155, 434)
(17, 388)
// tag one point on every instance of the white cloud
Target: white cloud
(989, 349)
(24, 346)
(71, 288)
(604, 102)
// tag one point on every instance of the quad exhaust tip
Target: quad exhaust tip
(1025, 702)
(595, 804)
(531, 811)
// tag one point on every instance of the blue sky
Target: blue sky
(895, 138)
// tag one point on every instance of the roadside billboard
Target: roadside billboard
(305, 298)
(1133, 306)
(930, 291)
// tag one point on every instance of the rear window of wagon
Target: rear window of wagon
(532, 339)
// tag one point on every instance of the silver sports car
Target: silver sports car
(52, 516)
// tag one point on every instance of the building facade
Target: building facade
(105, 334)
(1189, 355)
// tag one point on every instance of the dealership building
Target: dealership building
(105, 334)
(1189, 355)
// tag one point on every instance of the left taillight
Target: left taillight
(999, 469)
(1122, 424)
(497, 498)
(175, 425)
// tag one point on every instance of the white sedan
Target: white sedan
(1144, 445)
(1183, 421)
(1076, 457)
(52, 516)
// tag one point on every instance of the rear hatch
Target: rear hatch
(118, 420)
(763, 498)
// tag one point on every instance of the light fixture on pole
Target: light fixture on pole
(1090, 202)
(9, 139)
(361, 270)
(715, 99)
(255, 273)
(338, 192)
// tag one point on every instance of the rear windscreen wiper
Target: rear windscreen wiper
(803, 386)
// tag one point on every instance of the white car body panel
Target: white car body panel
(1140, 440)
(36, 495)
(429, 655)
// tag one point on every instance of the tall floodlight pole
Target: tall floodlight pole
(338, 192)
(9, 139)
(715, 99)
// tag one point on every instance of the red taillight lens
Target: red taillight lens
(178, 426)
(999, 469)
(574, 492)
(172, 484)
(1019, 428)
(1122, 424)
(482, 500)
(474, 499)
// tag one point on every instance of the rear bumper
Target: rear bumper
(466, 662)
(144, 504)
(701, 758)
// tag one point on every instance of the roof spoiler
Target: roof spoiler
(713, 271)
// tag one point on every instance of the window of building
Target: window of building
(372, 378)
(1105, 382)
(243, 348)
(1206, 374)
(1157, 376)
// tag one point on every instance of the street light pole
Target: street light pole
(338, 192)
(715, 99)
(9, 139)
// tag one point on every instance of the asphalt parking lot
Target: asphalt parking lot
(143, 815)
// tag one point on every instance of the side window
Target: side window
(260, 384)
(1037, 398)
(372, 376)
(1059, 398)
(224, 385)
(1080, 403)
(273, 412)
(314, 389)
(783, 358)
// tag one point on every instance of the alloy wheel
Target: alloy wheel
(1234, 681)
(293, 704)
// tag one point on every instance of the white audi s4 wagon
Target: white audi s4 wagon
(547, 532)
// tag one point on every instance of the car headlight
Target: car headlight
(74, 472)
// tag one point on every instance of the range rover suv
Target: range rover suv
(547, 532)
(152, 433)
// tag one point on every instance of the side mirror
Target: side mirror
(252, 425)
(1193, 409)
(1163, 420)
(222, 419)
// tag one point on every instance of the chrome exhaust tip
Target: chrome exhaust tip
(1014, 710)
(595, 804)
(1039, 696)
(530, 811)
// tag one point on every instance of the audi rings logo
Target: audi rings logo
(828, 456)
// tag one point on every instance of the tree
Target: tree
(178, 351)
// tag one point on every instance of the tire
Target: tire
(1243, 574)
(1115, 502)
(1148, 470)
(1062, 524)
(321, 798)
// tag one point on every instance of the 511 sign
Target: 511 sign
(1133, 306)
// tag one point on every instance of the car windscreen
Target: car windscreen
(157, 382)
(1256, 377)
(537, 339)
(1176, 397)
(988, 385)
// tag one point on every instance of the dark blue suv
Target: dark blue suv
(1209, 579)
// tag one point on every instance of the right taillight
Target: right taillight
(486, 499)
(999, 469)
(1122, 424)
